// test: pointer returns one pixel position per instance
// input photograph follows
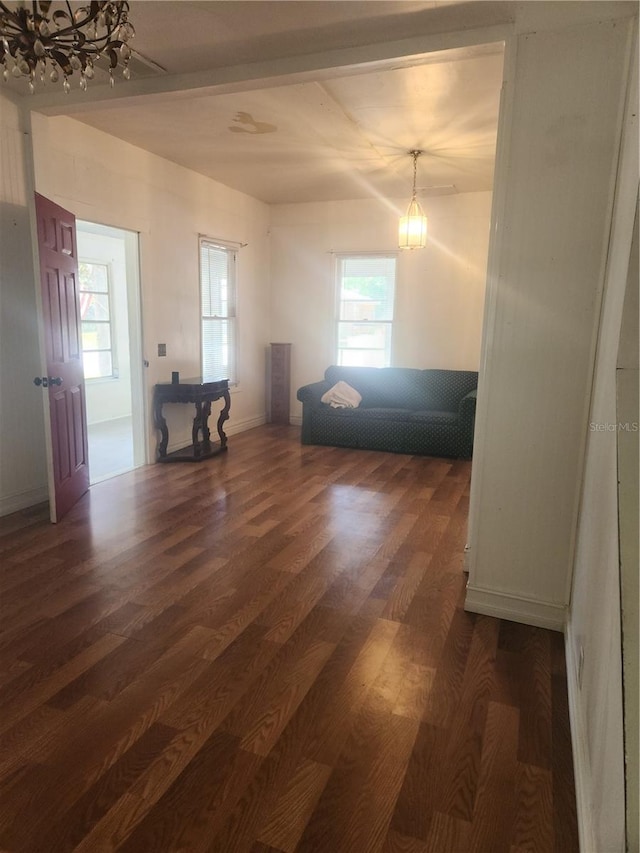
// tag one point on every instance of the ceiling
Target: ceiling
(341, 132)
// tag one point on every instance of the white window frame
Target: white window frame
(340, 258)
(231, 250)
(110, 322)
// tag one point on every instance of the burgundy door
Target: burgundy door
(63, 349)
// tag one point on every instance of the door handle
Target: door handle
(47, 381)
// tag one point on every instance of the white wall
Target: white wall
(558, 178)
(594, 631)
(109, 399)
(103, 180)
(628, 386)
(439, 290)
(22, 455)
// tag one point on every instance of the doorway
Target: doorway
(109, 293)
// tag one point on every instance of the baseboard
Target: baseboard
(22, 500)
(233, 427)
(110, 420)
(295, 420)
(230, 428)
(515, 608)
(581, 762)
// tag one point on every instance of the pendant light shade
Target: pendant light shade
(412, 231)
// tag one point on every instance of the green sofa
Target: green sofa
(403, 410)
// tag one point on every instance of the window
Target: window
(366, 286)
(98, 354)
(218, 307)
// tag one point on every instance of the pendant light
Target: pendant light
(412, 232)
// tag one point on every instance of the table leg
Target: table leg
(224, 416)
(197, 426)
(206, 411)
(161, 424)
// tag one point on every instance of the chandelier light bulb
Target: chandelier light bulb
(126, 31)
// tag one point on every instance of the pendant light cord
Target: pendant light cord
(415, 155)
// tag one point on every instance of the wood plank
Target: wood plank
(496, 794)
(295, 806)
(269, 653)
(357, 803)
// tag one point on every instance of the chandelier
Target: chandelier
(36, 43)
(412, 231)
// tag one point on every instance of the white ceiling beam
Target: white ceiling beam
(258, 75)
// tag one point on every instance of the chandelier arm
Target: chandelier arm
(13, 16)
(75, 26)
(94, 44)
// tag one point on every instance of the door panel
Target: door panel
(61, 318)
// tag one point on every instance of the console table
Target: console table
(201, 392)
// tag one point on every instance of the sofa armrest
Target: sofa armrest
(312, 393)
(467, 407)
(467, 420)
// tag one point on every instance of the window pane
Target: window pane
(97, 365)
(215, 273)
(366, 288)
(94, 306)
(362, 358)
(96, 336)
(95, 312)
(217, 285)
(364, 335)
(93, 277)
(217, 348)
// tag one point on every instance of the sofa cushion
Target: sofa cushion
(382, 387)
(426, 416)
(385, 413)
(444, 389)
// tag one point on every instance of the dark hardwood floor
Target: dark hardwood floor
(268, 651)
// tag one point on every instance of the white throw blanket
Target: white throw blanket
(342, 396)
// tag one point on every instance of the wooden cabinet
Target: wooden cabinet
(278, 383)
